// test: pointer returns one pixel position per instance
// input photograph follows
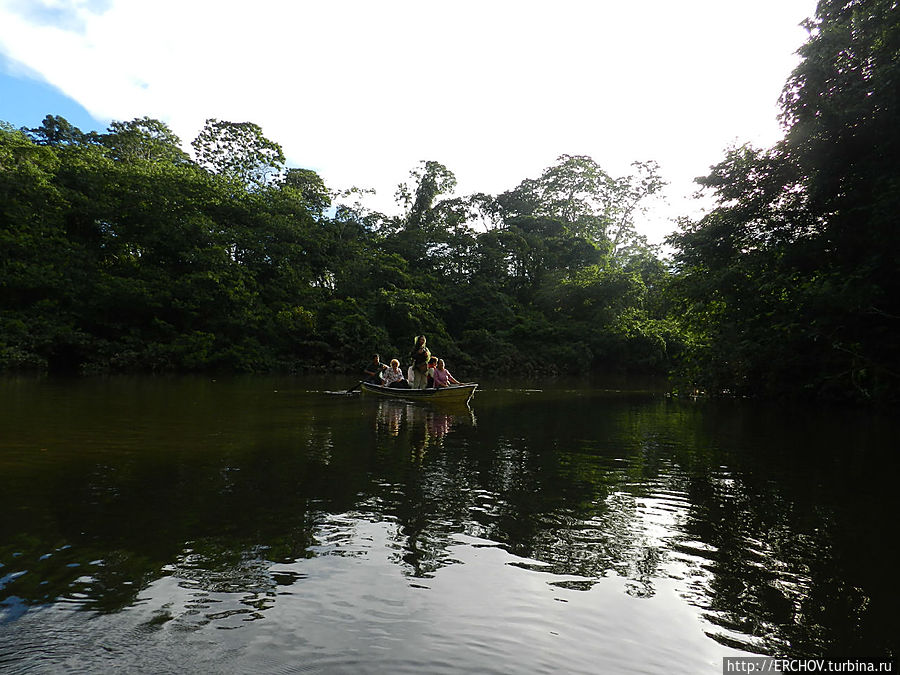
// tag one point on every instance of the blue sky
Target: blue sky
(363, 91)
(25, 101)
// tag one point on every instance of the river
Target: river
(278, 525)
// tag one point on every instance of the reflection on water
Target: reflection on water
(419, 426)
(563, 530)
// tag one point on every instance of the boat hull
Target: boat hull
(454, 395)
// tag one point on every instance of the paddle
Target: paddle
(353, 388)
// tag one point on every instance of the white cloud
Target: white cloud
(361, 91)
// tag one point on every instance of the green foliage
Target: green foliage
(144, 139)
(120, 253)
(57, 131)
(238, 150)
(349, 332)
(591, 203)
(311, 188)
(640, 341)
(431, 179)
(790, 286)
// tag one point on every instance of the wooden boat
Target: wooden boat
(454, 394)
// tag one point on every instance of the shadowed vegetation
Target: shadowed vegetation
(118, 252)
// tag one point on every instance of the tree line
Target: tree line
(121, 252)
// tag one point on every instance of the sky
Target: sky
(361, 91)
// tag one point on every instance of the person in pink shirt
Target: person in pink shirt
(442, 376)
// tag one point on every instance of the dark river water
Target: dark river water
(266, 525)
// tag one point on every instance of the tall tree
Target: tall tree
(238, 150)
(144, 139)
(58, 131)
(418, 230)
(578, 192)
(430, 180)
(311, 188)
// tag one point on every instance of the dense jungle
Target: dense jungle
(121, 252)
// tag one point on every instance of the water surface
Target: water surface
(267, 525)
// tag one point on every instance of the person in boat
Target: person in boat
(373, 371)
(393, 376)
(429, 372)
(442, 376)
(420, 356)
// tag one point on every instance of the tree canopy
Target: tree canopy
(122, 253)
(791, 283)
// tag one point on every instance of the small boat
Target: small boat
(454, 394)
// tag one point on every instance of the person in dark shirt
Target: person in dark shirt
(373, 371)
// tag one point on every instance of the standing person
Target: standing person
(442, 376)
(420, 356)
(373, 371)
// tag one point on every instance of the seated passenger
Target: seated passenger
(393, 376)
(429, 372)
(374, 370)
(442, 376)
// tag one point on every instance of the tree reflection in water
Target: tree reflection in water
(768, 525)
(426, 502)
(579, 521)
(774, 546)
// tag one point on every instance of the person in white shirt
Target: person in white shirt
(393, 376)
